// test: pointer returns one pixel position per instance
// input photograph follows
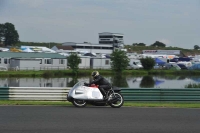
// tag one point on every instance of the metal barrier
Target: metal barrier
(60, 94)
(151, 94)
(34, 93)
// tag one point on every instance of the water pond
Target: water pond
(122, 81)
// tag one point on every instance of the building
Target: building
(100, 63)
(84, 63)
(116, 39)
(110, 38)
(32, 61)
(107, 43)
(162, 52)
(90, 48)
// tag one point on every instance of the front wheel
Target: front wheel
(79, 103)
(116, 100)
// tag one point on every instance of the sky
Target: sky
(175, 23)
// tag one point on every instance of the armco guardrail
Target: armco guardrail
(60, 94)
(151, 94)
(34, 93)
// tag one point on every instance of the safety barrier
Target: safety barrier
(151, 94)
(34, 93)
(60, 94)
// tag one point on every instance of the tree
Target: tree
(119, 61)
(148, 63)
(1, 32)
(73, 62)
(196, 47)
(158, 44)
(8, 34)
(139, 44)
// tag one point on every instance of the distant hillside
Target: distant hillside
(138, 49)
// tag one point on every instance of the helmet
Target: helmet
(95, 73)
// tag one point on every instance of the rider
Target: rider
(101, 82)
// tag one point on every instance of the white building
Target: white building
(90, 48)
(100, 63)
(111, 38)
(85, 63)
(162, 52)
(107, 43)
(32, 61)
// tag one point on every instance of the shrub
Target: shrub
(73, 62)
(148, 63)
(192, 85)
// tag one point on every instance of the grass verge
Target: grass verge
(126, 104)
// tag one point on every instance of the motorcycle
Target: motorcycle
(80, 95)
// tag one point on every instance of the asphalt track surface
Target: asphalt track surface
(67, 119)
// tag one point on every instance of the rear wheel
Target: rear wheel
(79, 103)
(117, 99)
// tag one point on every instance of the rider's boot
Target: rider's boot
(105, 97)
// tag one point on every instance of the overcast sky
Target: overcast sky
(173, 22)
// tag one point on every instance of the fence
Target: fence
(38, 68)
(60, 94)
(34, 93)
(192, 94)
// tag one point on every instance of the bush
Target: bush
(148, 63)
(73, 62)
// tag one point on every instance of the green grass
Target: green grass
(53, 103)
(126, 104)
(164, 104)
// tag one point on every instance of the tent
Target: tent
(159, 62)
(27, 50)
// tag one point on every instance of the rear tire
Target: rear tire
(79, 103)
(119, 102)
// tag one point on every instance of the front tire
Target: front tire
(119, 102)
(79, 103)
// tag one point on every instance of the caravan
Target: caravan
(135, 64)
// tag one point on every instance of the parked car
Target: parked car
(182, 66)
(135, 65)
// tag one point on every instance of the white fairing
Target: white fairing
(86, 93)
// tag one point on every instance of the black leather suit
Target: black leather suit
(102, 82)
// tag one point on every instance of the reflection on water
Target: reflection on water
(120, 81)
(147, 82)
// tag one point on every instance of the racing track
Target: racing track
(67, 119)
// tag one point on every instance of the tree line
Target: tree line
(156, 44)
